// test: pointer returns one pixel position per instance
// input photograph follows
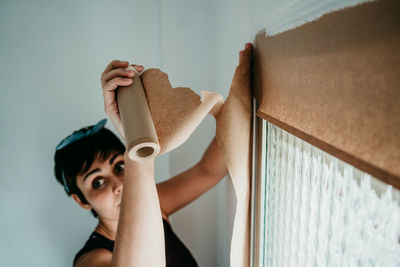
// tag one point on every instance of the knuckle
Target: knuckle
(115, 82)
(108, 87)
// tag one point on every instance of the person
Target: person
(133, 212)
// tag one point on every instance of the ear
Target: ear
(80, 203)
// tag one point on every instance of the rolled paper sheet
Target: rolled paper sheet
(140, 134)
(176, 112)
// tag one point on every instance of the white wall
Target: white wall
(188, 48)
(52, 54)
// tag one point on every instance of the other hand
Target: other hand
(113, 76)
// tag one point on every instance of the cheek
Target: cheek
(101, 199)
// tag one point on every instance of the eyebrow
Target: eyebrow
(98, 169)
(90, 173)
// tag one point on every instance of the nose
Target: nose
(117, 186)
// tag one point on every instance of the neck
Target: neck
(107, 228)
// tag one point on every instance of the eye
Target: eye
(98, 182)
(120, 167)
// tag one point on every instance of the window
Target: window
(312, 209)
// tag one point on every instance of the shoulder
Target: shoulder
(164, 216)
(98, 257)
(98, 247)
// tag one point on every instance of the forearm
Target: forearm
(212, 163)
(140, 235)
(185, 187)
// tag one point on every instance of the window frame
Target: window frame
(258, 189)
(259, 192)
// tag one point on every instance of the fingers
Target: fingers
(110, 71)
(246, 53)
(116, 82)
(249, 46)
(115, 64)
(118, 73)
(139, 68)
(113, 76)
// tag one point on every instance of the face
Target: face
(102, 186)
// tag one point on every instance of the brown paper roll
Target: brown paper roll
(140, 134)
(157, 116)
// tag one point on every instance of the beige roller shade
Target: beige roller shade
(335, 83)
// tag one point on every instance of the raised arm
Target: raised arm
(185, 187)
(140, 235)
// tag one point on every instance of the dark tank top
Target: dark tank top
(175, 251)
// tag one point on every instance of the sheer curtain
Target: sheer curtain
(320, 211)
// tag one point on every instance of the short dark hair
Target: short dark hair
(77, 157)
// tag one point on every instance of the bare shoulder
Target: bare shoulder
(95, 258)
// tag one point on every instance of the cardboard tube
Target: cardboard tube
(140, 134)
